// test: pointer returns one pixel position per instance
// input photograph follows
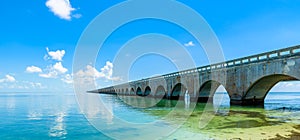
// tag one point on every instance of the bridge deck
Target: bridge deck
(238, 84)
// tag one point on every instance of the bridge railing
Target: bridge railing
(277, 54)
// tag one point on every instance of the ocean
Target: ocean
(57, 116)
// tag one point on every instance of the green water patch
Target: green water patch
(227, 122)
(238, 124)
(233, 119)
(235, 122)
(247, 124)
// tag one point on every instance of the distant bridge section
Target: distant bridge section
(247, 80)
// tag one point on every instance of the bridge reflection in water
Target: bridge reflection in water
(247, 80)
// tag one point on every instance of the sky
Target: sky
(39, 39)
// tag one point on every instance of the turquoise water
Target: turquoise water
(43, 116)
(57, 116)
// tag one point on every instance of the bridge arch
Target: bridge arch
(257, 91)
(208, 89)
(160, 91)
(178, 90)
(147, 91)
(132, 91)
(139, 91)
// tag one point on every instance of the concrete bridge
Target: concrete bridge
(247, 80)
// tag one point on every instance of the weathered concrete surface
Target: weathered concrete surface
(247, 80)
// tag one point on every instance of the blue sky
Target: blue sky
(38, 38)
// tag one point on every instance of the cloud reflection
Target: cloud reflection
(11, 103)
(94, 109)
(32, 115)
(58, 129)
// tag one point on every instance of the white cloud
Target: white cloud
(8, 78)
(107, 71)
(91, 73)
(23, 85)
(60, 68)
(54, 71)
(67, 79)
(51, 74)
(77, 16)
(57, 55)
(61, 8)
(33, 69)
(35, 85)
(189, 44)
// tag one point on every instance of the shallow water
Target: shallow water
(43, 116)
(57, 116)
(279, 118)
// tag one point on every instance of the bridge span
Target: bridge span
(247, 80)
